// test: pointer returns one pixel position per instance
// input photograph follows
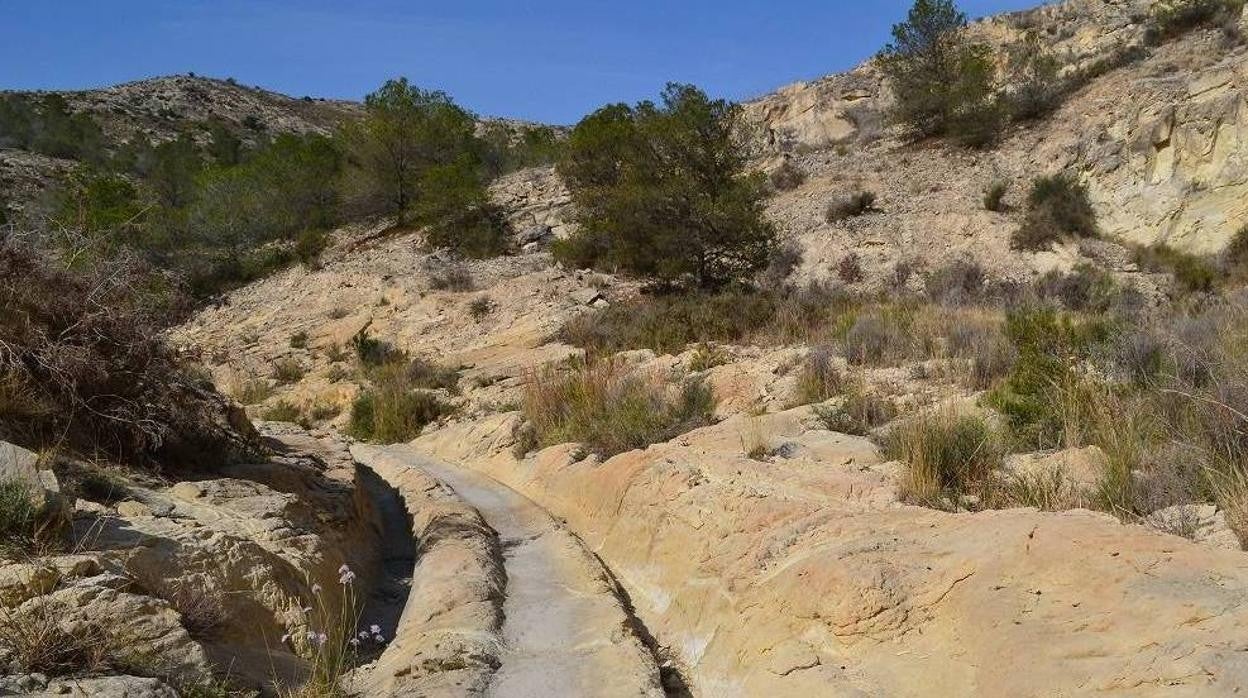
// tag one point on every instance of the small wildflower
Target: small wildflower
(316, 588)
(363, 634)
(286, 638)
(347, 577)
(378, 639)
(307, 609)
(344, 569)
(311, 636)
(354, 642)
(374, 629)
(322, 639)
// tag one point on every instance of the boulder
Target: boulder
(586, 296)
(20, 465)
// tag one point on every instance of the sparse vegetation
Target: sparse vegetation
(454, 277)
(849, 269)
(1192, 273)
(283, 411)
(299, 340)
(1173, 18)
(611, 410)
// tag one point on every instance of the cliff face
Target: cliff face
(1157, 133)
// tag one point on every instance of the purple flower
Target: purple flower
(321, 639)
(374, 629)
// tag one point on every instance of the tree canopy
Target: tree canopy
(942, 83)
(660, 191)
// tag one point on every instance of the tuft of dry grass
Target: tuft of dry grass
(610, 409)
(947, 455)
(40, 642)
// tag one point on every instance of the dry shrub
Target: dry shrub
(1057, 208)
(452, 277)
(1050, 489)
(787, 177)
(849, 269)
(287, 371)
(610, 409)
(84, 363)
(858, 412)
(850, 206)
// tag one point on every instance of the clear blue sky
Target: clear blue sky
(548, 61)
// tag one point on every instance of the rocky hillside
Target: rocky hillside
(1156, 132)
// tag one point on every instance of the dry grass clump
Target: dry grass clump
(248, 390)
(994, 196)
(452, 277)
(947, 455)
(1047, 490)
(283, 411)
(287, 371)
(41, 642)
(787, 177)
(610, 409)
(858, 412)
(850, 206)
(819, 379)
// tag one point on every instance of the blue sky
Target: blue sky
(548, 61)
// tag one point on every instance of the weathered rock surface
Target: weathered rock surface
(806, 577)
(447, 642)
(564, 628)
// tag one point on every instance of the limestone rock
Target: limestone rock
(110, 687)
(1203, 523)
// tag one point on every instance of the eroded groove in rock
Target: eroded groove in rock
(565, 631)
(447, 640)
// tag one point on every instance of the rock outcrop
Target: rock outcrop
(804, 576)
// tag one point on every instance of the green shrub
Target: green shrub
(101, 486)
(994, 197)
(1057, 208)
(946, 455)
(609, 410)
(1192, 273)
(850, 206)
(250, 391)
(1043, 379)
(857, 413)
(392, 413)
(371, 351)
(669, 323)
(19, 518)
